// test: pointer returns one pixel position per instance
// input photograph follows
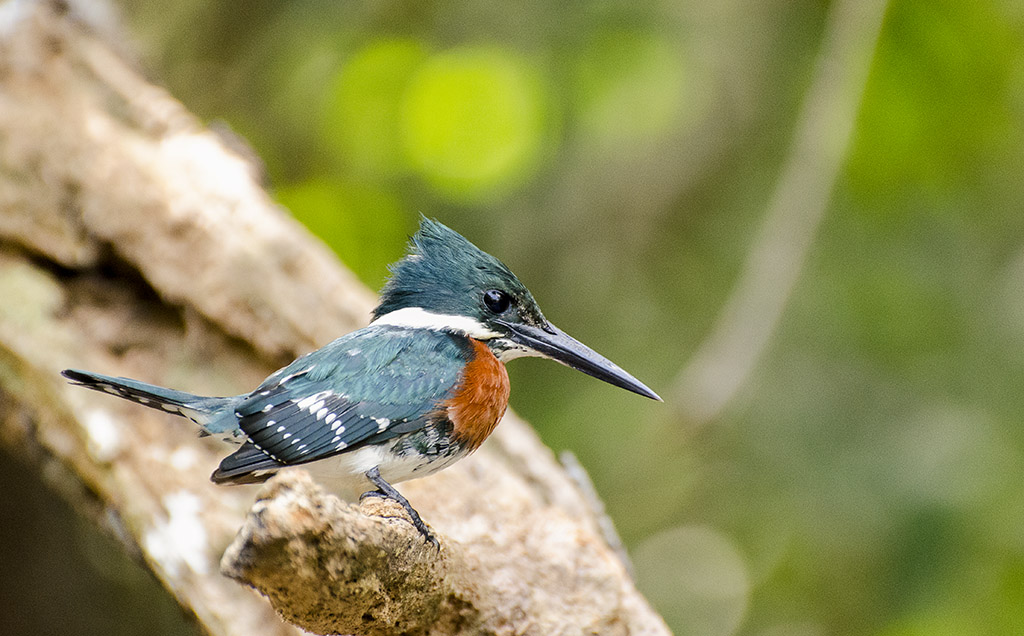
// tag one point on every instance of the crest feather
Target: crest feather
(442, 272)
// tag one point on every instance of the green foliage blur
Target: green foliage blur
(619, 157)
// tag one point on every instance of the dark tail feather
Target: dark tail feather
(187, 405)
(247, 465)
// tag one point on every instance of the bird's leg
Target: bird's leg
(384, 489)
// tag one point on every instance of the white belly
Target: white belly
(345, 474)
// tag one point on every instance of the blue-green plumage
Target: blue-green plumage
(368, 387)
(420, 387)
(445, 274)
(208, 412)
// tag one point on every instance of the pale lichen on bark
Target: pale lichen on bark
(134, 242)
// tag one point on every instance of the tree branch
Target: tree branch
(727, 357)
(134, 241)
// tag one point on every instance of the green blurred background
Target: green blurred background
(620, 158)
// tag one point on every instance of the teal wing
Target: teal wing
(366, 387)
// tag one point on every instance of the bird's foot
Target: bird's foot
(386, 490)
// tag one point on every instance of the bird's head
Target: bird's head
(447, 283)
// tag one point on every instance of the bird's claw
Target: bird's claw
(387, 491)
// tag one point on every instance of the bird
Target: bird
(417, 389)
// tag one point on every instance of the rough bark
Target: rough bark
(136, 242)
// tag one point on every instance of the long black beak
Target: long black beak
(552, 342)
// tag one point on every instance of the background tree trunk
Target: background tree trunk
(133, 241)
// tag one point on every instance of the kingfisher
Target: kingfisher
(422, 386)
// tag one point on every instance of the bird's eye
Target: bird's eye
(497, 301)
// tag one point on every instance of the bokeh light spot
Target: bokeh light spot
(937, 107)
(363, 224)
(696, 578)
(629, 87)
(363, 112)
(473, 121)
